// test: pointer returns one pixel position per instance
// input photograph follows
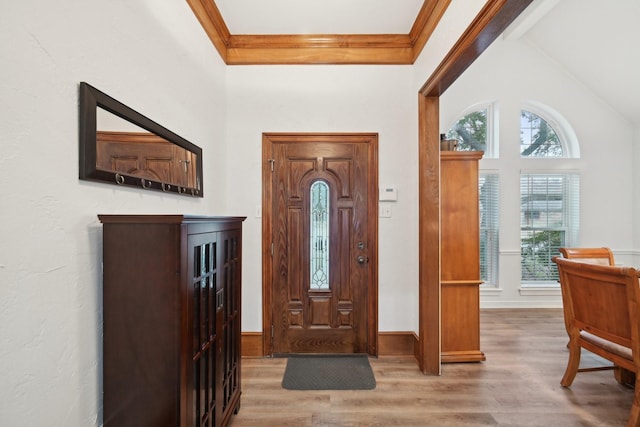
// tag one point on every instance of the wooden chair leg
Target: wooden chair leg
(572, 365)
(624, 376)
(634, 416)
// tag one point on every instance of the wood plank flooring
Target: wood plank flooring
(518, 385)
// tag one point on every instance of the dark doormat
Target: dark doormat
(328, 372)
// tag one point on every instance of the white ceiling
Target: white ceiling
(595, 41)
(319, 16)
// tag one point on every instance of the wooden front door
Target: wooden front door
(321, 224)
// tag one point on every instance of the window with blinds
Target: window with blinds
(549, 193)
(488, 192)
(549, 219)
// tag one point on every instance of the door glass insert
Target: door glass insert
(319, 221)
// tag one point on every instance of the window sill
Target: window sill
(547, 290)
(490, 290)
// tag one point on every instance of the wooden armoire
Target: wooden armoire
(460, 256)
(171, 320)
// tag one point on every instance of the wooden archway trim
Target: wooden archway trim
(492, 20)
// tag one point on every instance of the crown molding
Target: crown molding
(401, 49)
(214, 26)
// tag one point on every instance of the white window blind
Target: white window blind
(488, 192)
(549, 219)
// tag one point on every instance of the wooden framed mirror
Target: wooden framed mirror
(120, 146)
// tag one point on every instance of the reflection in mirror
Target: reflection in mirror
(128, 149)
(120, 146)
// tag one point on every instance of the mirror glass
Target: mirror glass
(121, 146)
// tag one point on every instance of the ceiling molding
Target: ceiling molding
(493, 20)
(211, 20)
(426, 23)
(402, 49)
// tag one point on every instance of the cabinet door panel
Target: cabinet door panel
(202, 312)
(230, 245)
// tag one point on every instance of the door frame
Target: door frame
(491, 22)
(268, 140)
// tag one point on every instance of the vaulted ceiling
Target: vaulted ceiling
(596, 42)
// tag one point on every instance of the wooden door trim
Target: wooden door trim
(492, 20)
(429, 235)
(268, 140)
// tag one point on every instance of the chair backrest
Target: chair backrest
(602, 300)
(601, 256)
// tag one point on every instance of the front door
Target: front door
(321, 210)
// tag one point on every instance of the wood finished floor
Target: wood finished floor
(518, 385)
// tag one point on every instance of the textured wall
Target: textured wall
(154, 58)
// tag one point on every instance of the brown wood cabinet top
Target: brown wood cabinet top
(165, 219)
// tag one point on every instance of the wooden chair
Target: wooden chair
(602, 256)
(601, 305)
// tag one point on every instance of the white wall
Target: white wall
(636, 195)
(329, 99)
(150, 55)
(508, 73)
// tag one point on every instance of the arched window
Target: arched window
(474, 130)
(545, 133)
(549, 197)
(537, 137)
(549, 192)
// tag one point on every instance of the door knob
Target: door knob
(363, 259)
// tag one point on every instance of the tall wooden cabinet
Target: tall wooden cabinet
(171, 313)
(460, 256)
